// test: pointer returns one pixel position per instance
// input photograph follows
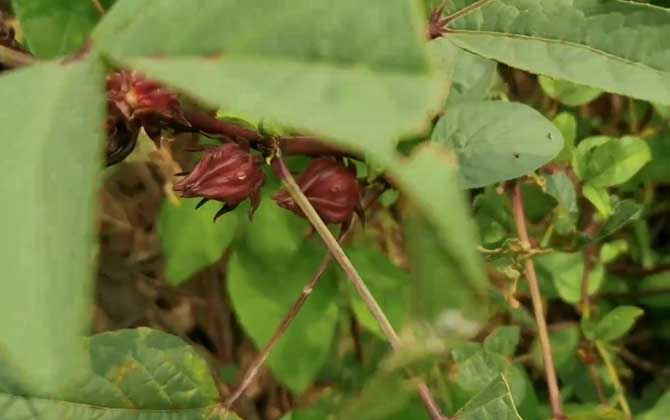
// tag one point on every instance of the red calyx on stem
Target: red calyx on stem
(229, 174)
(331, 187)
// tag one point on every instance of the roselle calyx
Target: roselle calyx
(229, 174)
(331, 188)
(139, 98)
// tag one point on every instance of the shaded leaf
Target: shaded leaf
(624, 212)
(497, 141)
(566, 213)
(600, 198)
(567, 124)
(262, 292)
(565, 271)
(49, 225)
(503, 340)
(388, 283)
(659, 411)
(190, 240)
(568, 93)
(617, 46)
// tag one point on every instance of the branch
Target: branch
(614, 376)
(13, 58)
(260, 359)
(346, 265)
(549, 369)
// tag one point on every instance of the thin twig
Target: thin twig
(464, 11)
(253, 370)
(13, 58)
(346, 265)
(549, 369)
(98, 6)
(614, 377)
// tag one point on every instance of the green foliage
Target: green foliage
(134, 374)
(564, 271)
(613, 325)
(568, 93)
(48, 230)
(56, 27)
(610, 45)
(492, 402)
(488, 147)
(262, 292)
(605, 162)
(190, 241)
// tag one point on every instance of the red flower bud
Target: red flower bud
(229, 173)
(332, 189)
(138, 97)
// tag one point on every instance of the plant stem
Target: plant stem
(98, 6)
(549, 370)
(338, 254)
(614, 376)
(13, 58)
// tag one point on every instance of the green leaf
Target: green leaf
(52, 157)
(565, 271)
(568, 93)
(503, 340)
(655, 282)
(566, 213)
(608, 44)
(600, 199)
(493, 402)
(134, 374)
(441, 239)
(614, 324)
(497, 141)
(389, 284)
(262, 293)
(381, 398)
(310, 65)
(56, 27)
(658, 169)
(567, 124)
(624, 212)
(472, 78)
(605, 162)
(598, 413)
(190, 240)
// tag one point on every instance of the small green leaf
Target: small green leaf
(493, 402)
(567, 124)
(497, 141)
(568, 93)
(624, 212)
(600, 199)
(614, 324)
(190, 240)
(598, 413)
(659, 411)
(472, 78)
(606, 162)
(262, 292)
(565, 270)
(566, 213)
(56, 27)
(52, 155)
(389, 284)
(503, 340)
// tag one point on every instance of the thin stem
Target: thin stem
(614, 376)
(13, 58)
(464, 11)
(346, 265)
(98, 6)
(549, 369)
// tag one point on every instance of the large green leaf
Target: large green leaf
(442, 242)
(56, 27)
(190, 240)
(613, 325)
(493, 402)
(139, 374)
(52, 157)
(604, 161)
(496, 141)
(618, 46)
(565, 271)
(314, 65)
(262, 292)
